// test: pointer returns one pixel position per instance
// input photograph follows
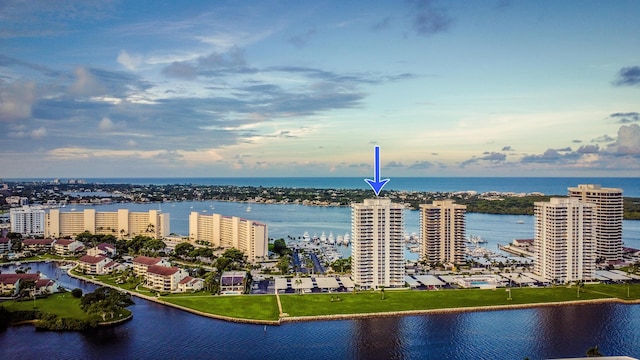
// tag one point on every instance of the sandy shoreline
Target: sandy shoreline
(291, 319)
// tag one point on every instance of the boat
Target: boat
(306, 237)
(332, 240)
(323, 238)
(520, 222)
(347, 239)
(249, 208)
(475, 239)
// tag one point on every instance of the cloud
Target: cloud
(16, 100)
(302, 40)
(86, 84)
(628, 76)
(420, 165)
(588, 149)
(106, 124)
(603, 138)
(564, 149)
(576, 141)
(628, 142)
(232, 59)
(39, 133)
(507, 148)
(493, 157)
(382, 24)
(549, 156)
(625, 118)
(394, 164)
(129, 61)
(427, 19)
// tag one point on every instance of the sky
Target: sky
(310, 88)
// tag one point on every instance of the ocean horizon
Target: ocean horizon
(530, 184)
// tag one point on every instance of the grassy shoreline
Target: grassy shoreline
(263, 309)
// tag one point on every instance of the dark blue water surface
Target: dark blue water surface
(159, 332)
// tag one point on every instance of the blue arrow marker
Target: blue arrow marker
(377, 184)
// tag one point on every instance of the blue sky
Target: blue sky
(308, 88)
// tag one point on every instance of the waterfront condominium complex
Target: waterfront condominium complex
(609, 213)
(27, 220)
(442, 229)
(121, 223)
(377, 256)
(564, 243)
(248, 236)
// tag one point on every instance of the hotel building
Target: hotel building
(377, 227)
(442, 230)
(564, 243)
(248, 236)
(609, 212)
(27, 220)
(122, 223)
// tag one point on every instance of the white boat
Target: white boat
(249, 208)
(323, 238)
(332, 239)
(340, 240)
(520, 222)
(306, 237)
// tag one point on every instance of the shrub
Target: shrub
(77, 293)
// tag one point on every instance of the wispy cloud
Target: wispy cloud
(625, 118)
(628, 76)
(428, 19)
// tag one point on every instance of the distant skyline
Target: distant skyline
(289, 88)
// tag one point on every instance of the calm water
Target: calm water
(162, 332)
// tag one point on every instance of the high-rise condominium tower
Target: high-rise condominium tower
(608, 216)
(377, 257)
(442, 227)
(564, 244)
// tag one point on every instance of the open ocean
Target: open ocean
(545, 185)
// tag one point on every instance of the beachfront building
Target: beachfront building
(250, 237)
(27, 220)
(121, 223)
(564, 244)
(609, 212)
(67, 247)
(142, 263)
(164, 278)
(93, 265)
(37, 245)
(377, 255)
(5, 245)
(103, 249)
(442, 230)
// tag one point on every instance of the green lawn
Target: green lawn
(61, 304)
(371, 302)
(255, 307)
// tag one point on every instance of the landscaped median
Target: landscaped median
(263, 309)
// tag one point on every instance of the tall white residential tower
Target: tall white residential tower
(442, 230)
(27, 220)
(377, 256)
(564, 244)
(609, 212)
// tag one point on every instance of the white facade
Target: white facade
(27, 220)
(564, 244)
(123, 223)
(442, 230)
(377, 257)
(248, 236)
(609, 213)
